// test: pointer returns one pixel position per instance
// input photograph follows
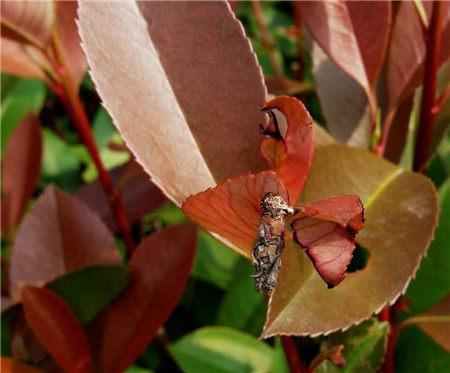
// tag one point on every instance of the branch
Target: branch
(266, 38)
(427, 114)
(71, 101)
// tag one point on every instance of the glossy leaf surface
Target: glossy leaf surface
(401, 212)
(21, 167)
(232, 209)
(59, 235)
(219, 349)
(57, 329)
(160, 268)
(171, 101)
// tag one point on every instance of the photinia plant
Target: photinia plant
(325, 228)
(102, 272)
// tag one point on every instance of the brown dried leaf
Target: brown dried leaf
(59, 235)
(191, 113)
(401, 214)
(21, 167)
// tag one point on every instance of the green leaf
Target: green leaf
(279, 363)
(434, 271)
(242, 306)
(28, 94)
(221, 350)
(59, 165)
(364, 347)
(137, 369)
(89, 290)
(415, 352)
(215, 263)
(102, 127)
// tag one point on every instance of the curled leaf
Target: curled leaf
(232, 209)
(401, 210)
(326, 229)
(290, 154)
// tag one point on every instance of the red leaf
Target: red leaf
(232, 209)
(16, 61)
(331, 26)
(292, 155)
(27, 21)
(21, 169)
(59, 235)
(367, 16)
(160, 269)
(57, 328)
(406, 55)
(139, 194)
(13, 366)
(181, 122)
(70, 42)
(326, 229)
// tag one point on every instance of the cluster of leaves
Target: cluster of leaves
(183, 87)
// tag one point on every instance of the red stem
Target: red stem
(388, 365)
(78, 116)
(427, 114)
(266, 38)
(295, 365)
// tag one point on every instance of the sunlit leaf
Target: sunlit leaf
(160, 269)
(57, 329)
(181, 121)
(69, 40)
(290, 153)
(232, 209)
(21, 167)
(221, 350)
(59, 235)
(27, 21)
(401, 212)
